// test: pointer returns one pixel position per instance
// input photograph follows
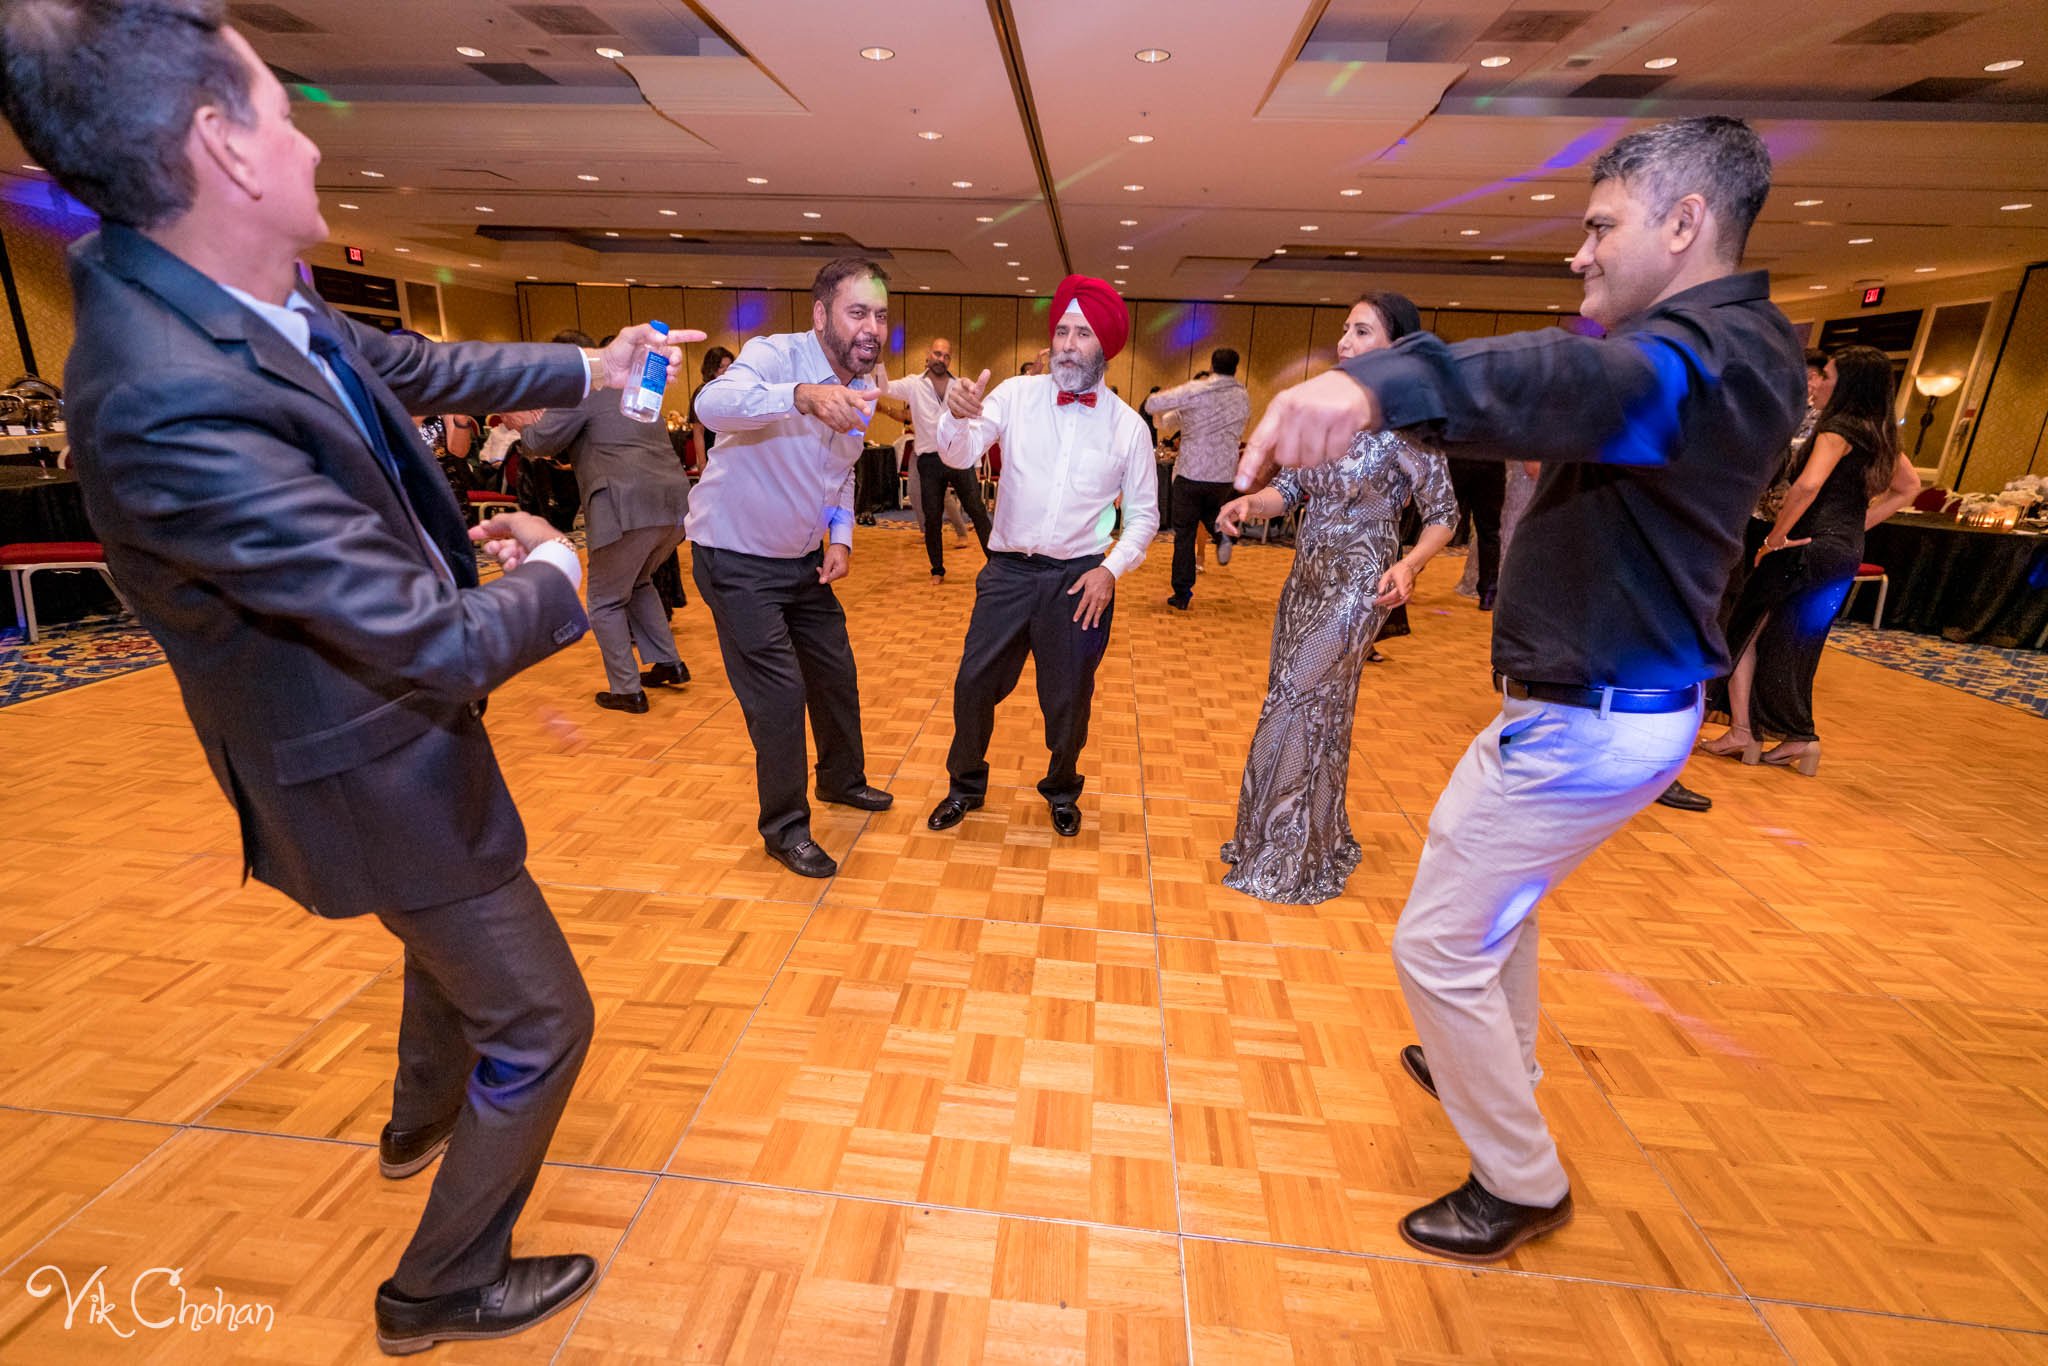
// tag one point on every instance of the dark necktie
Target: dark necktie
(1086, 400)
(326, 344)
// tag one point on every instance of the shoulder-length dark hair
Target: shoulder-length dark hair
(1860, 410)
(1398, 314)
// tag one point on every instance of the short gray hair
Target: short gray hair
(102, 93)
(1716, 157)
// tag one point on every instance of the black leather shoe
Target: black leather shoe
(1066, 819)
(863, 798)
(1178, 603)
(805, 859)
(1682, 798)
(401, 1152)
(1486, 602)
(634, 702)
(1472, 1224)
(532, 1289)
(665, 675)
(1417, 1067)
(951, 812)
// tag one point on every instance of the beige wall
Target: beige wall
(36, 242)
(478, 315)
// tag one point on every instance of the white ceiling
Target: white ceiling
(1266, 111)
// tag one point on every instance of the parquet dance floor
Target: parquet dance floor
(993, 1095)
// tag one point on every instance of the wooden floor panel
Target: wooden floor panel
(984, 1096)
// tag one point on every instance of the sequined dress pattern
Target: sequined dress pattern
(1294, 841)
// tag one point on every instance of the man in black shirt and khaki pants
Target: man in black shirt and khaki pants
(1655, 442)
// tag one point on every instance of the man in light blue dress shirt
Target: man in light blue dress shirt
(771, 527)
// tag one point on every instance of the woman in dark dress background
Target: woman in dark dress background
(1849, 476)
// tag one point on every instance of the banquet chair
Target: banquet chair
(1869, 573)
(24, 559)
(1933, 498)
(479, 504)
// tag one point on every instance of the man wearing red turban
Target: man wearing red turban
(1071, 448)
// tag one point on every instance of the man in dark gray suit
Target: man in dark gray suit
(247, 460)
(635, 494)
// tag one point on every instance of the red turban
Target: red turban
(1101, 305)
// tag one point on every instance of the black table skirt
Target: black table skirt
(1961, 583)
(876, 481)
(46, 505)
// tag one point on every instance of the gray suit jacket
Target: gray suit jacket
(333, 672)
(627, 471)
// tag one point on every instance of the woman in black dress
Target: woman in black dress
(1848, 476)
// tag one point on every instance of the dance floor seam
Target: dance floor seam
(952, 1105)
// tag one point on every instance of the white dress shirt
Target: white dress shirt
(1063, 467)
(290, 323)
(778, 481)
(925, 406)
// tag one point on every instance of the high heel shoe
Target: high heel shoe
(1725, 746)
(1805, 759)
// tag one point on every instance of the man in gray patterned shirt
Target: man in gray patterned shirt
(1213, 413)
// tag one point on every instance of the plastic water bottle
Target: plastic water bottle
(641, 398)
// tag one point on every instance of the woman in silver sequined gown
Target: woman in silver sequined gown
(1294, 841)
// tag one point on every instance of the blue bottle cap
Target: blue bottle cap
(660, 327)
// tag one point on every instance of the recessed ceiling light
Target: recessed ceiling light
(924, 286)
(1134, 188)
(1468, 232)
(1807, 203)
(610, 54)
(406, 250)
(676, 235)
(2009, 64)
(812, 213)
(1310, 227)
(1861, 241)
(1495, 61)
(586, 177)
(806, 237)
(470, 51)
(666, 213)
(1140, 138)
(485, 208)
(931, 135)
(1497, 257)
(1151, 55)
(2009, 208)
(1552, 307)
(348, 206)
(1351, 253)
(1660, 63)
(30, 166)
(611, 234)
(1122, 266)
(1127, 222)
(983, 218)
(963, 184)
(632, 279)
(1230, 296)
(476, 265)
(1022, 278)
(1125, 246)
(1454, 303)
(1816, 286)
(1013, 264)
(1925, 270)
(878, 54)
(757, 180)
(1279, 251)
(533, 277)
(718, 282)
(1351, 193)
(1325, 299)
(374, 175)
(1544, 198)
(999, 244)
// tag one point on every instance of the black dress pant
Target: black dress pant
(1195, 504)
(495, 1025)
(1022, 607)
(1481, 486)
(783, 636)
(934, 477)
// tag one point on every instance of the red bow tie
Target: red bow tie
(1087, 399)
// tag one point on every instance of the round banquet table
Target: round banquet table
(46, 505)
(1962, 583)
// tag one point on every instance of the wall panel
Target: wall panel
(1325, 329)
(988, 338)
(601, 310)
(1218, 325)
(1162, 343)
(546, 309)
(1279, 354)
(1463, 324)
(477, 315)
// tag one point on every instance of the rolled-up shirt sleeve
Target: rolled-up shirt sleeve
(962, 444)
(753, 392)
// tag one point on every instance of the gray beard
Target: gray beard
(1078, 377)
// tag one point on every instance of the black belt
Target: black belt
(1640, 701)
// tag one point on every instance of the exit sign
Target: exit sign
(1873, 296)
(355, 257)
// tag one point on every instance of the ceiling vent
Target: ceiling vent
(1940, 89)
(1577, 63)
(270, 19)
(564, 21)
(1534, 26)
(1903, 28)
(1613, 87)
(512, 73)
